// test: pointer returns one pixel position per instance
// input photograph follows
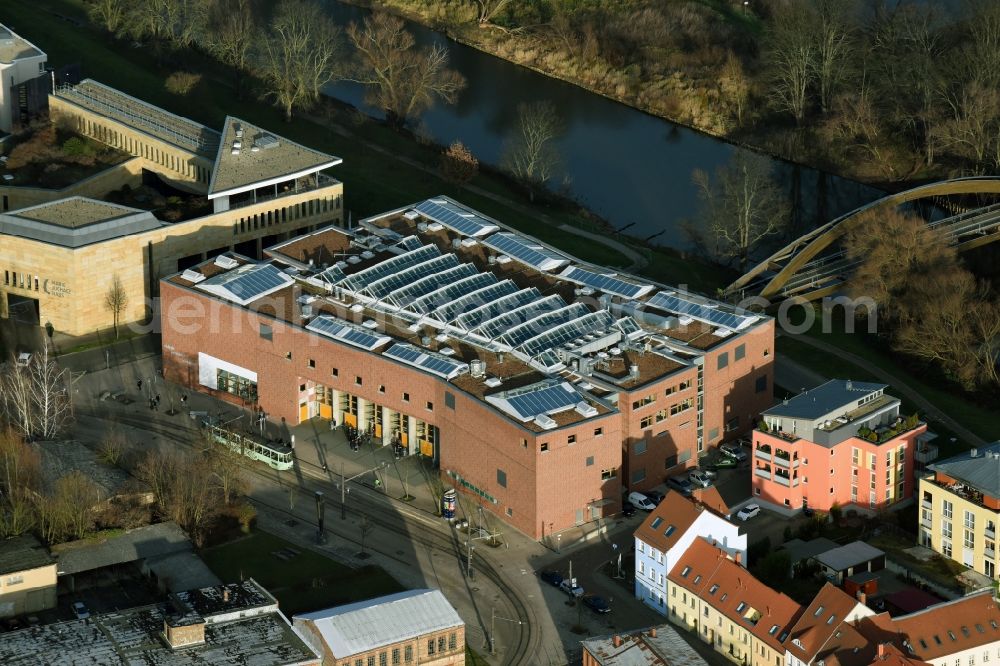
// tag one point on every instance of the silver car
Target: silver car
(700, 478)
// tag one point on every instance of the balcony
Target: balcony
(925, 522)
(990, 533)
(783, 480)
(991, 553)
(927, 504)
(763, 473)
(301, 185)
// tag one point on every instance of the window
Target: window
(430, 646)
(685, 572)
(430, 406)
(732, 424)
(639, 475)
(970, 539)
(640, 447)
(266, 332)
(383, 658)
(681, 406)
(713, 434)
(723, 361)
(609, 473)
(371, 660)
(312, 363)
(571, 439)
(670, 461)
(946, 529)
(760, 385)
(288, 356)
(441, 644)
(598, 432)
(740, 352)
(452, 641)
(970, 520)
(947, 508)
(302, 388)
(646, 421)
(543, 447)
(408, 653)
(449, 400)
(510, 512)
(357, 381)
(590, 461)
(334, 372)
(381, 388)
(395, 655)
(645, 400)
(406, 397)
(15, 580)
(502, 478)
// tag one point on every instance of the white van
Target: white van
(640, 501)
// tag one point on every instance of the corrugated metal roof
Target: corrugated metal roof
(981, 472)
(853, 554)
(367, 625)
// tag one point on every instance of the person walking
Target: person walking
(138, 385)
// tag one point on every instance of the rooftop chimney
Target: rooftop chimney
(881, 651)
(974, 452)
(738, 557)
(862, 598)
(183, 631)
(616, 640)
(225, 595)
(652, 632)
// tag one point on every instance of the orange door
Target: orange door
(326, 411)
(303, 412)
(351, 420)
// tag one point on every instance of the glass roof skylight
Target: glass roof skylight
(390, 266)
(502, 323)
(455, 217)
(606, 283)
(430, 283)
(390, 283)
(529, 329)
(592, 322)
(345, 331)
(450, 311)
(473, 318)
(455, 290)
(246, 283)
(550, 396)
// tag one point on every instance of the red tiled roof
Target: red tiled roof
(821, 628)
(951, 627)
(711, 499)
(674, 511)
(888, 654)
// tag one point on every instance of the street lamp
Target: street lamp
(344, 480)
(746, 5)
(493, 622)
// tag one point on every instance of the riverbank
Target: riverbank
(679, 98)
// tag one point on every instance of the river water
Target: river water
(631, 168)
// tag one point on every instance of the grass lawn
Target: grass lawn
(307, 582)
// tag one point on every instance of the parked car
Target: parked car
(748, 512)
(640, 501)
(725, 463)
(628, 510)
(24, 359)
(700, 478)
(80, 610)
(733, 451)
(553, 578)
(596, 604)
(570, 588)
(680, 484)
(654, 496)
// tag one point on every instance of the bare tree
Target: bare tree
(109, 14)
(75, 497)
(490, 9)
(231, 34)
(114, 447)
(833, 30)
(402, 80)
(20, 471)
(299, 55)
(163, 21)
(116, 300)
(974, 125)
(458, 164)
(530, 154)
(36, 398)
(227, 470)
(790, 56)
(743, 206)
(735, 86)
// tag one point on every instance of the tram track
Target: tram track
(427, 532)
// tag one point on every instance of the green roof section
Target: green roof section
(250, 157)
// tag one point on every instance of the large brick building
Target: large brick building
(537, 382)
(842, 443)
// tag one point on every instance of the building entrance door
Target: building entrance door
(23, 309)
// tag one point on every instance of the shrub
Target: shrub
(181, 83)
(77, 147)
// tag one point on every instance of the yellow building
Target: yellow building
(61, 251)
(960, 508)
(27, 577)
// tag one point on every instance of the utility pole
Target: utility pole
(493, 623)
(483, 534)
(344, 481)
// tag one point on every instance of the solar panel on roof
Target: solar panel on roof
(332, 275)
(361, 279)
(474, 318)
(546, 397)
(391, 283)
(679, 304)
(450, 292)
(606, 283)
(448, 312)
(431, 282)
(409, 243)
(457, 219)
(526, 251)
(502, 323)
(246, 283)
(571, 330)
(433, 363)
(338, 329)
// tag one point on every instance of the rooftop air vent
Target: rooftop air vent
(585, 409)
(227, 262)
(305, 299)
(469, 242)
(477, 368)
(411, 214)
(239, 130)
(446, 351)
(307, 311)
(545, 422)
(354, 259)
(367, 255)
(369, 324)
(421, 226)
(503, 259)
(266, 142)
(493, 382)
(435, 226)
(357, 307)
(192, 276)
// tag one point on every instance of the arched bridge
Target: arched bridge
(813, 266)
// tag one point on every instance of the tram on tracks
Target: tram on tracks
(273, 454)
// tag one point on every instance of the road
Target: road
(406, 539)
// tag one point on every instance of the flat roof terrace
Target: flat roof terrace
(116, 105)
(14, 47)
(76, 222)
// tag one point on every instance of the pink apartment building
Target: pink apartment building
(842, 443)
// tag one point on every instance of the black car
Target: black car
(553, 578)
(628, 510)
(655, 496)
(597, 604)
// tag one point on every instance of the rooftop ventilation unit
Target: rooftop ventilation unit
(421, 226)
(367, 255)
(369, 324)
(425, 341)
(456, 243)
(585, 409)
(223, 261)
(503, 259)
(469, 242)
(239, 130)
(306, 299)
(354, 259)
(266, 142)
(477, 368)
(411, 214)
(192, 276)
(307, 311)
(441, 337)
(545, 422)
(357, 307)
(493, 382)
(435, 226)
(446, 351)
